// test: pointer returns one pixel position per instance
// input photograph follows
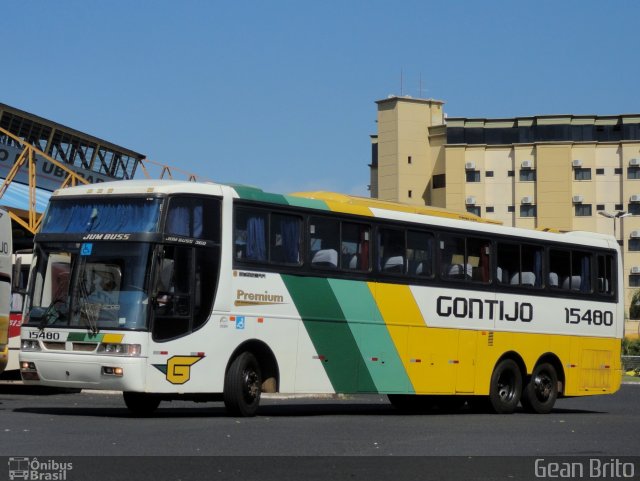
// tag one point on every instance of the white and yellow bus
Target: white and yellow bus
(5, 286)
(176, 290)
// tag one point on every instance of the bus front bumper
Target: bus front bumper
(116, 373)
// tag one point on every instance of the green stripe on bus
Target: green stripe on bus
(253, 193)
(84, 337)
(330, 334)
(372, 336)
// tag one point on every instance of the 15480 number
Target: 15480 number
(590, 316)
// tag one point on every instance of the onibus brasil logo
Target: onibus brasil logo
(35, 469)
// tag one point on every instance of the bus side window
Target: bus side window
(478, 259)
(419, 254)
(286, 237)
(559, 269)
(324, 242)
(173, 293)
(354, 247)
(604, 274)
(391, 251)
(452, 258)
(250, 235)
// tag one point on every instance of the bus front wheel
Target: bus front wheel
(243, 386)
(506, 387)
(541, 392)
(141, 404)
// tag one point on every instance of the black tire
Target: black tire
(141, 404)
(506, 387)
(243, 386)
(541, 392)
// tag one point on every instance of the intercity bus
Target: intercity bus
(5, 285)
(170, 290)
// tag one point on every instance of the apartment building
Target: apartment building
(565, 172)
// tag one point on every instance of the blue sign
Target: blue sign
(86, 249)
(240, 322)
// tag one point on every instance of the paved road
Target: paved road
(91, 423)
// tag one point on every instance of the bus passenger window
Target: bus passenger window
(581, 271)
(391, 251)
(508, 270)
(559, 269)
(285, 240)
(249, 236)
(604, 274)
(324, 242)
(354, 247)
(419, 254)
(478, 257)
(197, 217)
(453, 264)
(531, 266)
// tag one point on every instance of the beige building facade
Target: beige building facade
(565, 172)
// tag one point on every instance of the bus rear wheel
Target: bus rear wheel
(541, 392)
(243, 386)
(506, 387)
(141, 404)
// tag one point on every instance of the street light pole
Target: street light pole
(618, 215)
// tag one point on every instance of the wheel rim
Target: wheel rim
(506, 386)
(251, 385)
(543, 386)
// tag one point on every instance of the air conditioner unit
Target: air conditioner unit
(635, 269)
(471, 200)
(577, 199)
(527, 200)
(527, 164)
(470, 165)
(634, 234)
(635, 162)
(577, 163)
(634, 198)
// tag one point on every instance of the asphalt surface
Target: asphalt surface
(90, 423)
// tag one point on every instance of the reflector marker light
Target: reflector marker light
(415, 360)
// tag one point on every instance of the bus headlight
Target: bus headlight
(120, 349)
(30, 345)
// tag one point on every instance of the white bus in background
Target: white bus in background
(21, 262)
(6, 247)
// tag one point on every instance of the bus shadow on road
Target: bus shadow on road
(276, 411)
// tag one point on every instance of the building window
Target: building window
(618, 207)
(527, 210)
(582, 174)
(489, 173)
(634, 209)
(633, 173)
(634, 244)
(511, 208)
(511, 173)
(473, 176)
(489, 209)
(599, 171)
(527, 175)
(600, 207)
(409, 160)
(474, 209)
(617, 171)
(634, 281)
(439, 181)
(583, 210)
(409, 194)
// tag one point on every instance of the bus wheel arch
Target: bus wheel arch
(252, 369)
(543, 386)
(266, 360)
(505, 386)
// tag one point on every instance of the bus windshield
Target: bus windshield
(92, 285)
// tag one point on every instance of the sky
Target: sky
(281, 94)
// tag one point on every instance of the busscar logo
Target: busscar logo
(35, 469)
(257, 298)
